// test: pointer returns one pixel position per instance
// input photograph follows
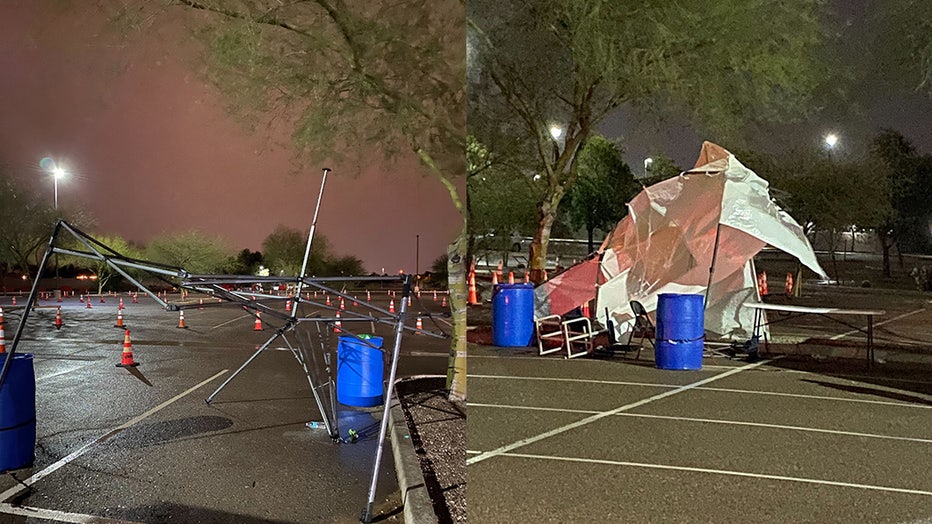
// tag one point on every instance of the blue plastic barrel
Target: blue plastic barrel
(680, 331)
(359, 371)
(513, 315)
(18, 414)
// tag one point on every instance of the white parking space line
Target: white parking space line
(721, 390)
(58, 516)
(15, 490)
(65, 372)
(599, 416)
(724, 472)
(864, 329)
(821, 397)
(711, 421)
(578, 380)
(574, 361)
(232, 321)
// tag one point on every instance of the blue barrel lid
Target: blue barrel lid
(522, 285)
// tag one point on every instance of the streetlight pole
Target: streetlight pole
(57, 172)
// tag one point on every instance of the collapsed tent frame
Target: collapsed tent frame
(217, 285)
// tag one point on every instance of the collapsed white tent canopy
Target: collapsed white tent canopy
(694, 233)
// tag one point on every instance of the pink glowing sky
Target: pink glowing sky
(150, 148)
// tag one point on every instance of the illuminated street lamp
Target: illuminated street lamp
(648, 162)
(831, 140)
(556, 131)
(57, 173)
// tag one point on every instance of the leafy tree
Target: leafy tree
(822, 193)
(909, 185)
(900, 42)
(105, 274)
(190, 250)
(344, 266)
(438, 269)
(284, 253)
(566, 65)
(660, 167)
(26, 223)
(500, 198)
(245, 262)
(383, 77)
(598, 198)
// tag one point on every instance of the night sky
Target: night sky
(150, 147)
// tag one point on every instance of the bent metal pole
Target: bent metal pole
(33, 294)
(307, 249)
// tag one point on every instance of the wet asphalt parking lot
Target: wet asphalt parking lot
(116, 446)
(616, 440)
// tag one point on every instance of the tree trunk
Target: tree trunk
(831, 250)
(546, 214)
(456, 266)
(885, 246)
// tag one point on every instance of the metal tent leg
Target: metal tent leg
(386, 411)
(241, 368)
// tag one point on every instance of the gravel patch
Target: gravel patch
(438, 432)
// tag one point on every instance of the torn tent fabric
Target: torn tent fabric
(667, 241)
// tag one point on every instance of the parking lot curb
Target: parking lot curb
(418, 508)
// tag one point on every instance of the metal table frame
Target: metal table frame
(760, 319)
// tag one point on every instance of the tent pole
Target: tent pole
(718, 231)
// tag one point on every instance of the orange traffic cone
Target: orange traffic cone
(102, 301)
(368, 296)
(127, 360)
(58, 322)
(328, 300)
(135, 295)
(511, 277)
(200, 303)
(119, 323)
(435, 295)
(87, 303)
(419, 327)
(258, 324)
(81, 298)
(181, 320)
(443, 303)
(337, 325)
(585, 310)
(1, 316)
(762, 283)
(788, 289)
(59, 296)
(495, 278)
(2, 340)
(342, 304)
(391, 306)
(527, 277)
(120, 307)
(288, 306)
(14, 301)
(473, 296)
(409, 300)
(355, 302)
